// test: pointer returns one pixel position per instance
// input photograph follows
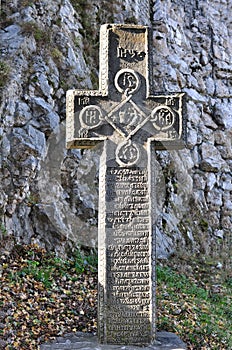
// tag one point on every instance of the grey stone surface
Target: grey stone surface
(192, 51)
(83, 341)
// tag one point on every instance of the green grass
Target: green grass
(197, 310)
(194, 298)
(40, 34)
(46, 267)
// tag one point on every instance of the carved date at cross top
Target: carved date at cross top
(132, 123)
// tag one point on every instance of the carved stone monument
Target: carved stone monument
(132, 122)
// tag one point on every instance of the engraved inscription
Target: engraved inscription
(170, 101)
(127, 259)
(127, 153)
(130, 54)
(127, 81)
(162, 118)
(83, 133)
(91, 117)
(127, 118)
(82, 101)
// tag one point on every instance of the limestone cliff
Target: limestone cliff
(48, 194)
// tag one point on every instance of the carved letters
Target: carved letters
(130, 54)
(128, 269)
(90, 117)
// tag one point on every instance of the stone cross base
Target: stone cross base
(86, 341)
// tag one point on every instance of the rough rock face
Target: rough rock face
(192, 44)
(48, 194)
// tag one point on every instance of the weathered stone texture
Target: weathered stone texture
(49, 195)
(193, 40)
(34, 205)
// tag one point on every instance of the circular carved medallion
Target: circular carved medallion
(127, 81)
(162, 118)
(91, 117)
(127, 153)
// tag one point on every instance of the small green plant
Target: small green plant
(32, 199)
(92, 260)
(4, 73)
(64, 85)
(77, 41)
(25, 3)
(46, 268)
(40, 34)
(94, 79)
(204, 224)
(56, 54)
(38, 272)
(82, 261)
(3, 229)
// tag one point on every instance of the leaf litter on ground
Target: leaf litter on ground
(43, 296)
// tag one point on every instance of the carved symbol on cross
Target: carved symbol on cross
(130, 115)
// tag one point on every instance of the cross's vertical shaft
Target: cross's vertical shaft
(126, 261)
(126, 302)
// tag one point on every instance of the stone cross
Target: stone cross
(132, 123)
